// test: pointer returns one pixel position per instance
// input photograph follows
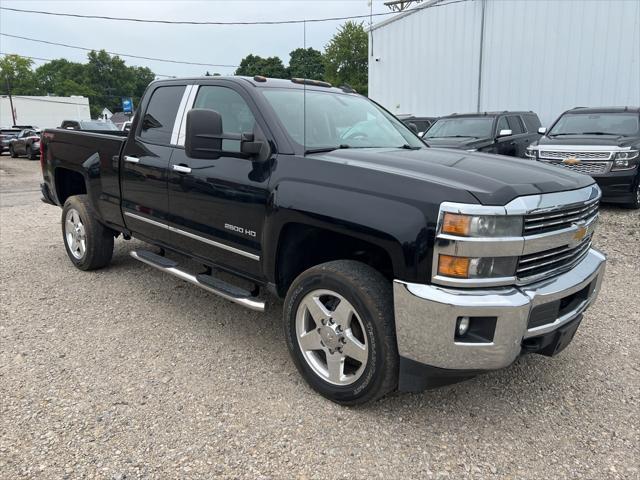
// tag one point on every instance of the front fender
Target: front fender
(398, 228)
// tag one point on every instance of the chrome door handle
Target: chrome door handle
(129, 159)
(181, 169)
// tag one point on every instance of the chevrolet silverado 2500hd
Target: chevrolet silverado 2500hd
(402, 266)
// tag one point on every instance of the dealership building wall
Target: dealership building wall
(43, 112)
(442, 57)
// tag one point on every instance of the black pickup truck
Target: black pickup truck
(402, 266)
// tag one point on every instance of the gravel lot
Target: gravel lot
(129, 373)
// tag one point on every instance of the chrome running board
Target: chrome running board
(207, 282)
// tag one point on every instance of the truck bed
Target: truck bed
(92, 155)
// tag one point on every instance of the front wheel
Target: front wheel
(635, 203)
(89, 244)
(339, 326)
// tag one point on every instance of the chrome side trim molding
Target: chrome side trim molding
(213, 243)
(177, 123)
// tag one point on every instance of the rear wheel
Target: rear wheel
(338, 321)
(12, 152)
(89, 244)
(30, 154)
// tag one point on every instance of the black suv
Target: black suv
(601, 142)
(505, 133)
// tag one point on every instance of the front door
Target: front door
(145, 163)
(218, 206)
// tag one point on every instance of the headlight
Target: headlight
(486, 267)
(482, 225)
(530, 152)
(625, 160)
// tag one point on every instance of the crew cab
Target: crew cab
(504, 133)
(401, 266)
(26, 143)
(602, 142)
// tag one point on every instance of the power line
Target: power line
(23, 97)
(198, 22)
(116, 53)
(54, 59)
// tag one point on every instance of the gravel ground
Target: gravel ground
(129, 373)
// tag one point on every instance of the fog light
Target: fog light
(463, 326)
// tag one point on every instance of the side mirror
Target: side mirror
(204, 138)
(505, 133)
(413, 127)
(542, 130)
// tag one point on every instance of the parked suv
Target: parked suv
(26, 143)
(601, 142)
(505, 133)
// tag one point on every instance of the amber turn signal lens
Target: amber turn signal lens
(457, 267)
(456, 224)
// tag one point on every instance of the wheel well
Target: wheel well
(301, 247)
(68, 183)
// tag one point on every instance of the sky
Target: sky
(225, 45)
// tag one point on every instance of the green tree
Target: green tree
(345, 57)
(16, 75)
(252, 65)
(307, 63)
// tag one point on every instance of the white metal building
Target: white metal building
(445, 56)
(43, 112)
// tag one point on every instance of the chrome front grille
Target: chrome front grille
(550, 262)
(559, 218)
(555, 155)
(588, 168)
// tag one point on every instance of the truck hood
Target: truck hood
(588, 140)
(491, 179)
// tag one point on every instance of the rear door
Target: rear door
(218, 206)
(145, 162)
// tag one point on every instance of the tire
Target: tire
(635, 203)
(30, 154)
(88, 243)
(12, 152)
(359, 377)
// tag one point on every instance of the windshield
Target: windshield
(86, 125)
(335, 120)
(476, 127)
(623, 124)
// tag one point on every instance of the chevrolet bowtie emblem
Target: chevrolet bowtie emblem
(571, 161)
(580, 233)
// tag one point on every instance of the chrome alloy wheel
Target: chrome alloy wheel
(332, 337)
(74, 234)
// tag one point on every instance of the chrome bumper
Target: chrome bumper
(426, 317)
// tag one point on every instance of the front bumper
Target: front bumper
(426, 318)
(618, 186)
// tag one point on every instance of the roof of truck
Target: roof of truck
(265, 82)
(604, 110)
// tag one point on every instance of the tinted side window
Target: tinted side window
(515, 124)
(158, 120)
(502, 124)
(236, 114)
(532, 122)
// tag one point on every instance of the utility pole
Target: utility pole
(13, 112)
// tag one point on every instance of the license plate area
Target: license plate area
(554, 342)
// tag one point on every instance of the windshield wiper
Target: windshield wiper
(599, 133)
(561, 134)
(406, 146)
(326, 149)
(455, 136)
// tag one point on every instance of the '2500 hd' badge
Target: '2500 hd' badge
(241, 230)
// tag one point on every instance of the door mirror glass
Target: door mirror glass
(504, 133)
(542, 130)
